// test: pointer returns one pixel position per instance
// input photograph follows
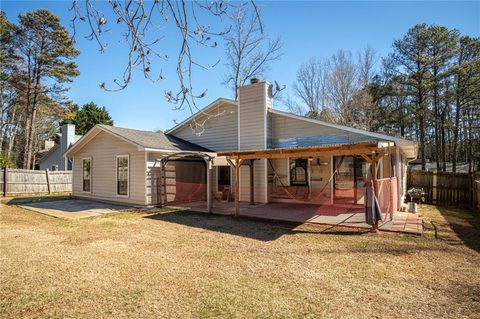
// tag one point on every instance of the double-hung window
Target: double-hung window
(122, 175)
(87, 174)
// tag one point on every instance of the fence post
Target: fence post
(48, 181)
(5, 180)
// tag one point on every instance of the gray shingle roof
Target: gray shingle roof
(156, 140)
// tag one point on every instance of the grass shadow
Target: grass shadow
(465, 224)
(263, 230)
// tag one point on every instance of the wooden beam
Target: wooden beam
(367, 158)
(350, 149)
(303, 154)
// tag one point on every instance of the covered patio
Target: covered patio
(385, 190)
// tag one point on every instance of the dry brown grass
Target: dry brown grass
(188, 265)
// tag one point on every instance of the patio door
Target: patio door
(349, 182)
(223, 178)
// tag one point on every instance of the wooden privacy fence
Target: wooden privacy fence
(24, 181)
(445, 188)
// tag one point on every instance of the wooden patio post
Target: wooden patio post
(163, 177)
(375, 186)
(48, 181)
(252, 183)
(237, 187)
(209, 186)
(332, 188)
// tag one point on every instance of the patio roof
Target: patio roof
(371, 151)
(364, 148)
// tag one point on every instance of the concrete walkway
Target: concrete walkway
(73, 208)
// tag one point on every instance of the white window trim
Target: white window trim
(128, 175)
(91, 175)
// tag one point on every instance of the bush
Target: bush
(5, 161)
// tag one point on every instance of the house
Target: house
(52, 156)
(278, 157)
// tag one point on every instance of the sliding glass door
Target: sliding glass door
(349, 180)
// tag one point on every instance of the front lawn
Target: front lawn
(191, 265)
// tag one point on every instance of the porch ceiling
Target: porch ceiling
(365, 148)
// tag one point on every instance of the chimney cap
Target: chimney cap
(254, 80)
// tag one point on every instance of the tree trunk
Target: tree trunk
(455, 132)
(436, 127)
(443, 146)
(422, 141)
(31, 136)
(26, 133)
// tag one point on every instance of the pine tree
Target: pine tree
(47, 54)
(90, 115)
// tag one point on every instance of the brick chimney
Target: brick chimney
(66, 139)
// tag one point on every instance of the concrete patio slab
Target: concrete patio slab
(73, 208)
(352, 216)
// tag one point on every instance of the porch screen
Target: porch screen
(185, 181)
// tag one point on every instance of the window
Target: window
(122, 175)
(298, 171)
(87, 169)
(223, 177)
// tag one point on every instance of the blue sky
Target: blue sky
(307, 29)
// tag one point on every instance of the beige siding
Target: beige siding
(153, 178)
(103, 150)
(260, 189)
(253, 108)
(254, 100)
(220, 131)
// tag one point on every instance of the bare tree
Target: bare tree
(249, 50)
(310, 86)
(143, 25)
(362, 112)
(366, 61)
(342, 85)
